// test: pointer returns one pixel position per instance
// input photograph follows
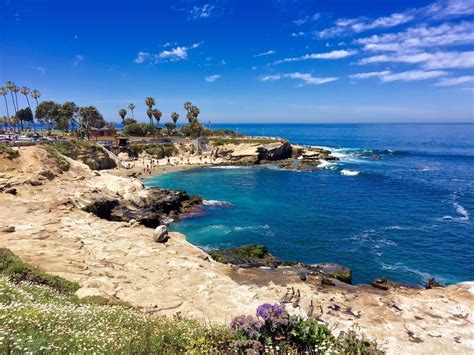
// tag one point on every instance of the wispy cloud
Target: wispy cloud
(306, 78)
(358, 25)
(456, 81)
(421, 36)
(201, 12)
(336, 54)
(442, 9)
(411, 75)
(437, 60)
(78, 60)
(302, 21)
(40, 69)
(269, 52)
(212, 78)
(172, 55)
(297, 34)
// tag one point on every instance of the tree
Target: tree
(35, 94)
(24, 115)
(170, 126)
(157, 114)
(138, 129)
(4, 92)
(25, 91)
(175, 117)
(150, 102)
(10, 85)
(128, 121)
(131, 107)
(69, 111)
(122, 113)
(48, 113)
(90, 118)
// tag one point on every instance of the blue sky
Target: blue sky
(248, 60)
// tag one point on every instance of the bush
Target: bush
(140, 129)
(57, 155)
(227, 132)
(274, 330)
(9, 152)
(157, 151)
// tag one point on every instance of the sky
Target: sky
(247, 60)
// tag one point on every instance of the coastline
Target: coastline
(120, 260)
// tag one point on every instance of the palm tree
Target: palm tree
(35, 94)
(10, 85)
(149, 112)
(25, 91)
(157, 114)
(150, 102)
(174, 117)
(131, 107)
(15, 90)
(122, 113)
(4, 92)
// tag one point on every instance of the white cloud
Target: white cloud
(297, 34)
(456, 81)
(172, 55)
(437, 60)
(212, 78)
(358, 25)
(307, 78)
(303, 20)
(200, 12)
(421, 37)
(141, 57)
(441, 9)
(411, 75)
(78, 59)
(269, 52)
(450, 8)
(270, 77)
(336, 54)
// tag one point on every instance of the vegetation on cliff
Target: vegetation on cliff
(40, 314)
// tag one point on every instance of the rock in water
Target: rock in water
(160, 235)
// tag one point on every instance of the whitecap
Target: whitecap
(323, 164)
(462, 211)
(229, 167)
(347, 172)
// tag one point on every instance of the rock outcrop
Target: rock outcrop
(254, 153)
(151, 208)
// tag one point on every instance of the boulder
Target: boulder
(35, 182)
(160, 235)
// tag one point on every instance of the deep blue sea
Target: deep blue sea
(407, 216)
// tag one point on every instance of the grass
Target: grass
(52, 149)
(17, 270)
(88, 152)
(40, 314)
(9, 152)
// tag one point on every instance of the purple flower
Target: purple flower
(247, 325)
(266, 310)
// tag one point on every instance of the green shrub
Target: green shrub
(140, 129)
(52, 149)
(227, 132)
(9, 152)
(157, 151)
(17, 270)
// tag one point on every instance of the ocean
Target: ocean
(406, 216)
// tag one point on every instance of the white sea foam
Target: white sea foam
(263, 229)
(229, 167)
(216, 203)
(324, 164)
(347, 172)
(462, 211)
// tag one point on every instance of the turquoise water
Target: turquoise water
(407, 216)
